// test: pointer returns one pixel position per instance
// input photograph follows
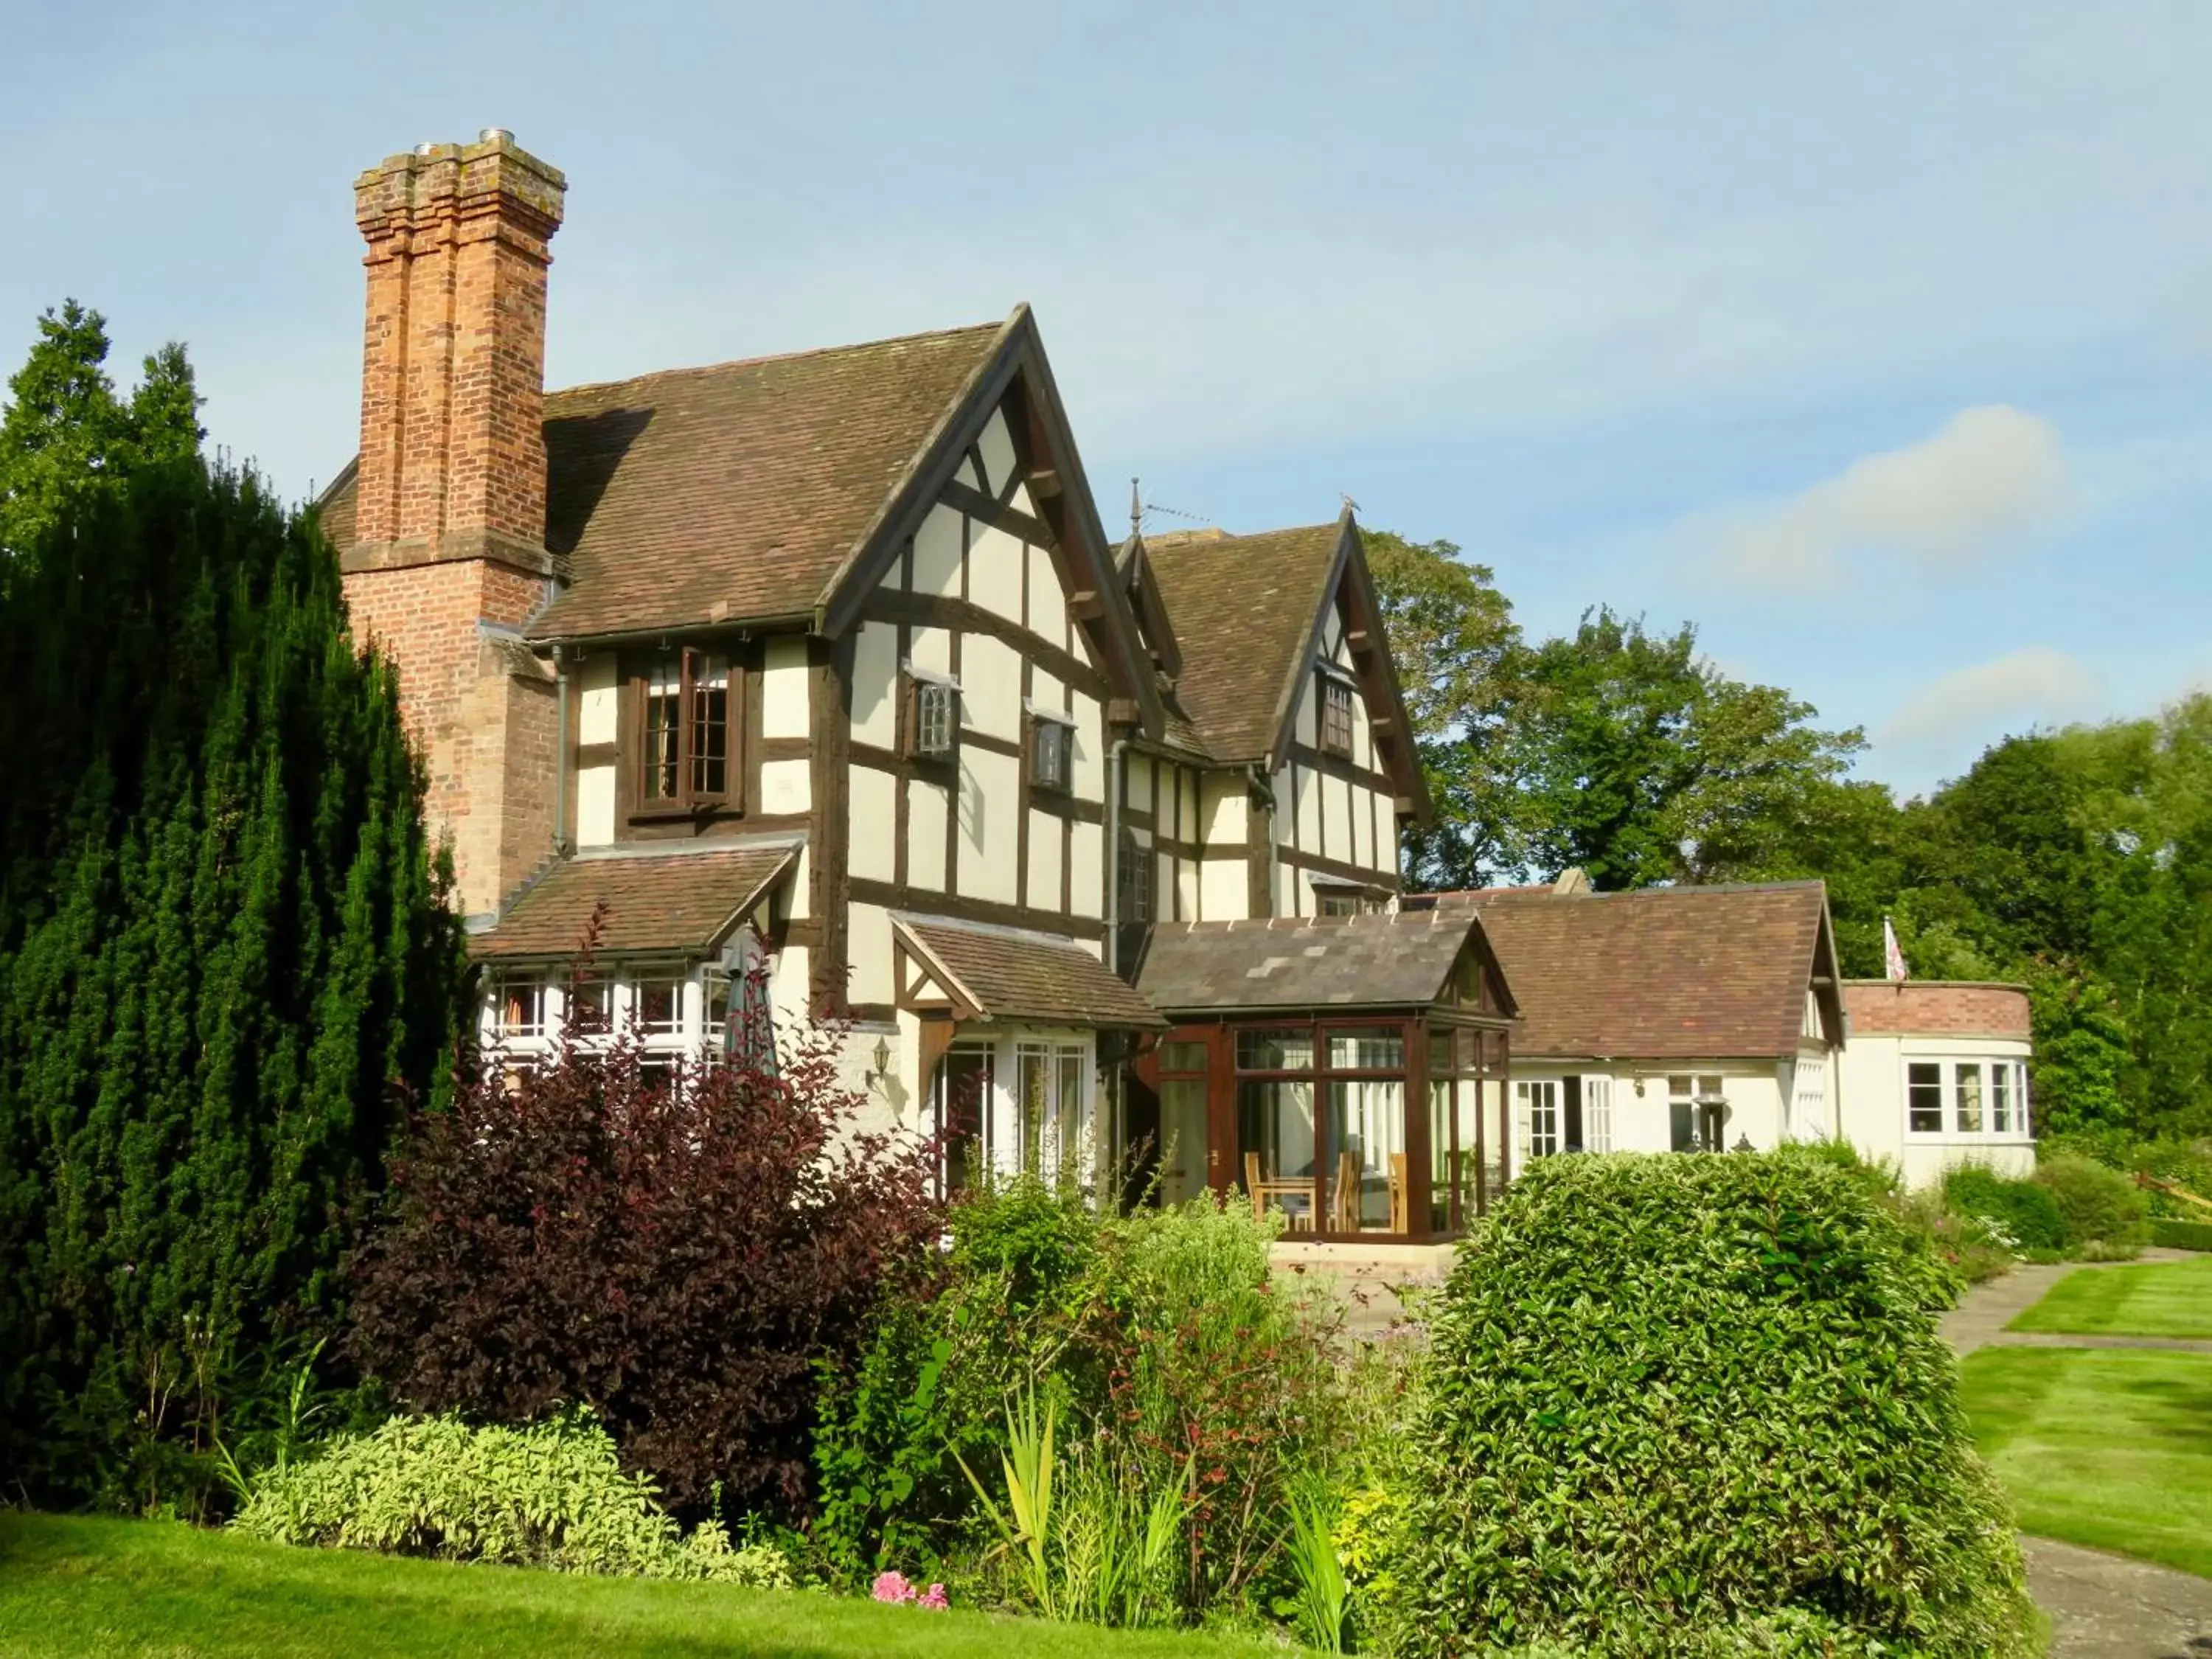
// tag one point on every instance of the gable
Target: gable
(1257, 616)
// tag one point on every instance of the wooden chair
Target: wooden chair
(1252, 1187)
(1344, 1195)
(1401, 1219)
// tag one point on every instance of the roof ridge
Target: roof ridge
(764, 358)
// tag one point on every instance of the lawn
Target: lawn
(2166, 1299)
(79, 1586)
(2110, 1448)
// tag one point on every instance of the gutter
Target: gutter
(560, 846)
(1114, 757)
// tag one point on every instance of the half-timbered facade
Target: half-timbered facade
(811, 687)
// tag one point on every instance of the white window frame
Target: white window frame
(1950, 1068)
(1597, 1112)
(936, 718)
(1533, 1096)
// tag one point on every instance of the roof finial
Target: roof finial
(1136, 508)
(1350, 506)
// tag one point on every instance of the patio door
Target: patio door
(960, 1103)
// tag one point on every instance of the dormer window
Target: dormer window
(1051, 746)
(683, 731)
(1335, 716)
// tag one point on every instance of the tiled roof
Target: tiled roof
(1663, 973)
(1242, 608)
(744, 486)
(682, 901)
(1026, 978)
(1390, 961)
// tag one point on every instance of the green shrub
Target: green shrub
(1674, 1399)
(2098, 1204)
(2170, 1235)
(2028, 1213)
(553, 1495)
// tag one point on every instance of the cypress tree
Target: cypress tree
(226, 958)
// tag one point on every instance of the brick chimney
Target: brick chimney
(449, 557)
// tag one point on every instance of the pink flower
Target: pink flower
(893, 1587)
(934, 1597)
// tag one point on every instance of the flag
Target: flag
(1893, 958)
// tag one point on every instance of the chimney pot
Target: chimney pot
(495, 135)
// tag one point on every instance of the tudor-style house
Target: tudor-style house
(825, 664)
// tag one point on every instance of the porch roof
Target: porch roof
(1399, 960)
(676, 902)
(1007, 975)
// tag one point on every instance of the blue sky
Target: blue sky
(1876, 339)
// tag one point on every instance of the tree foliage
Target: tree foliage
(224, 951)
(677, 1254)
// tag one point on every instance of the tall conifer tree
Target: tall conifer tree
(225, 955)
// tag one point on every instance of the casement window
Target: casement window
(2001, 1093)
(657, 1006)
(1133, 873)
(1924, 1097)
(1537, 1118)
(587, 1006)
(936, 719)
(1597, 1114)
(1051, 744)
(1335, 716)
(1809, 1106)
(1966, 1098)
(521, 1009)
(686, 757)
(1048, 1082)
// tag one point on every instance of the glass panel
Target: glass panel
(522, 1008)
(1538, 1110)
(1368, 1186)
(933, 718)
(1032, 1091)
(1289, 1049)
(1368, 1049)
(1183, 1056)
(658, 1006)
(1681, 1087)
(1474, 1145)
(962, 1100)
(1597, 1114)
(1681, 1123)
(1440, 1053)
(722, 1035)
(664, 691)
(1967, 1097)
(1441, 1164)
(1067, 1113)
(1182, 1140)
(710, 725)
(1923, 1093)
(1275, 1147)
(587, 1005)
(2001, 1097)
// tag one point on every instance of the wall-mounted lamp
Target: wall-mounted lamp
(883, 1065)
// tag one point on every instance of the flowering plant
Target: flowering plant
(897, 1588)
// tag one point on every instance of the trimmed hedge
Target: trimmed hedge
(2181, 1235)
(1690, 1404)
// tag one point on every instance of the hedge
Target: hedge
(1676, 1400)
(2172, 1235)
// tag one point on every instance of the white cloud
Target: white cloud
(2034, 684)
(1990, 477)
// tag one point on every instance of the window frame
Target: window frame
(694, 669)
(920, 688)
(1061, 780)
(1336, 694)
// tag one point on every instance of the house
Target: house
(1936, 1074)
(1687, 1019)
(1670, 1018)
(821, 670)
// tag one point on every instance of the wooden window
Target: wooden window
(1050, 743)
(1134, 872)
(686, 758)
(935, 720)
(1335, 716)
(1339, 902)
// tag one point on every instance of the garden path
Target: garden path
(2101, 1607)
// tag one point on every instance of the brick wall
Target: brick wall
(1935, 1008)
